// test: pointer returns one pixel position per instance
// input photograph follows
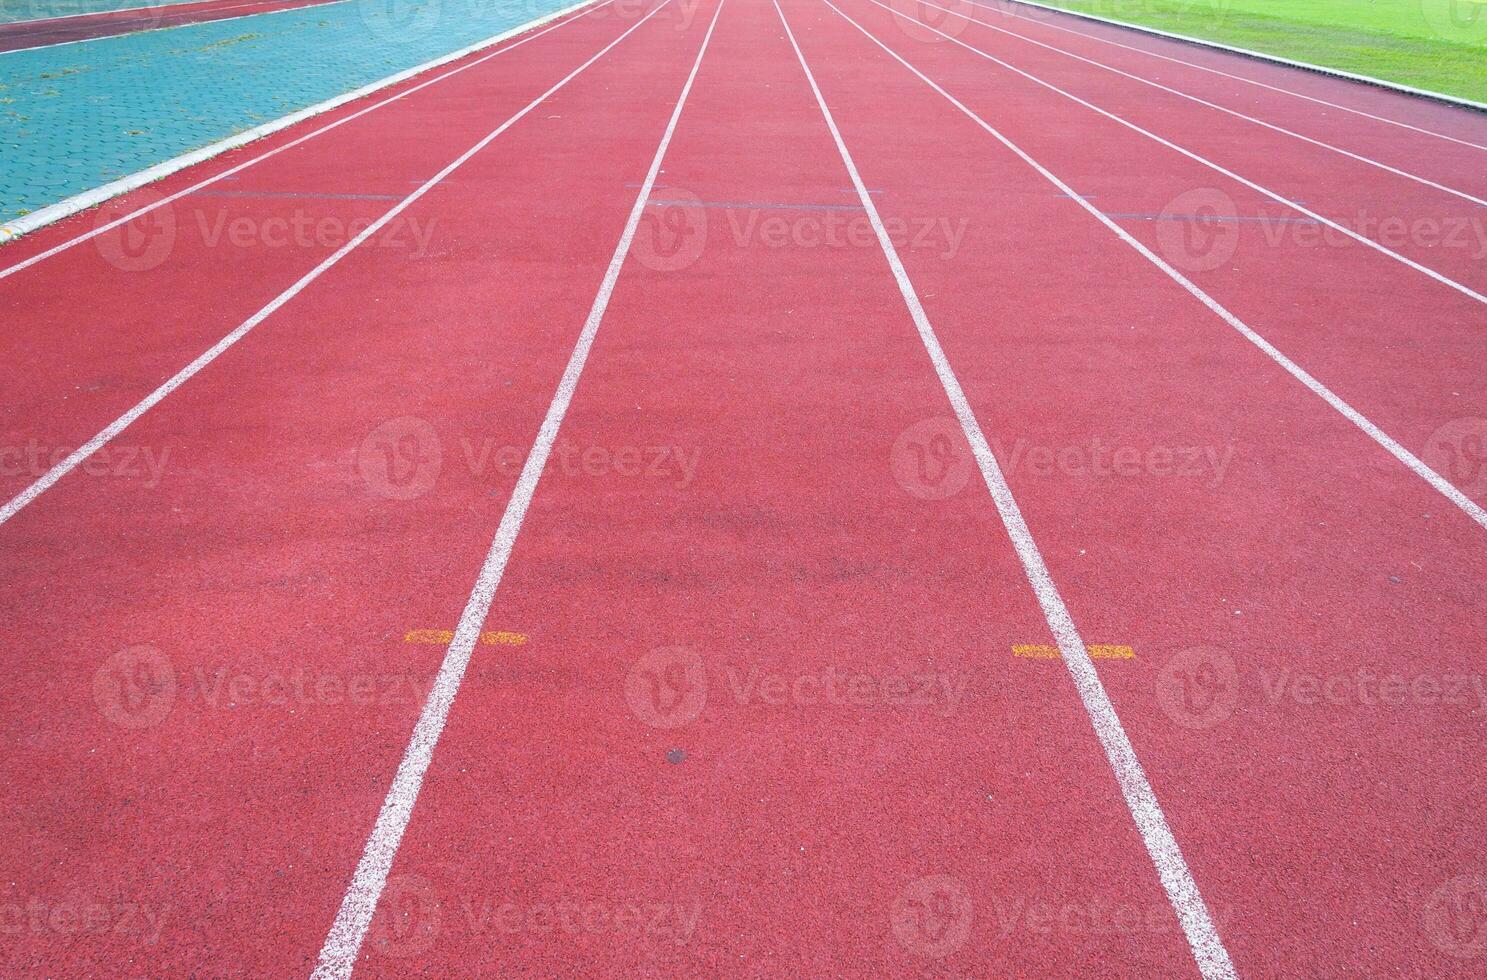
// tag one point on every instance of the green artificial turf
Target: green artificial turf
(1440, 45)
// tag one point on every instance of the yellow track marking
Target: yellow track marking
(445, 637)
(1097, 651)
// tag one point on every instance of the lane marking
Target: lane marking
(191, 370)
(1233, 112)
(17, 227)
(1409, 459)
(1096, 651)
(489, 638)
(338, 956)
(1294, 205)
(1208, 950)
(1205, 68)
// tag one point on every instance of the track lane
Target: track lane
(1197, 923)
(1307, 556)
(1284, 177)
(277, 547)
(774, 836)
(343, 943)
(1358, 340)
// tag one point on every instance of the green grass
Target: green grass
(1440, 45)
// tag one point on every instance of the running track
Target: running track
(799, 391)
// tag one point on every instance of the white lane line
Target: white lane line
(1212, 71)
(1293, 205)
(189, 371)
(1225, 109)
(338, 956)
(1208, 950)
(1416, 466)
(171, 27)
(78, 202)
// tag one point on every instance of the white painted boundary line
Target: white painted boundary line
(1213, 960)
(87, 199)
(342, 945)
(1423, 93)
(1440, 483)
(1212, 71)
(1213, 105)
(191, 370)
(173, 27)
(1293, 205)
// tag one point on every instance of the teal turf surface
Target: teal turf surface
(76, 116)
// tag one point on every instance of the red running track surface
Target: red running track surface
(770, 680)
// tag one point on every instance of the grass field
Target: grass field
(1439, 45)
